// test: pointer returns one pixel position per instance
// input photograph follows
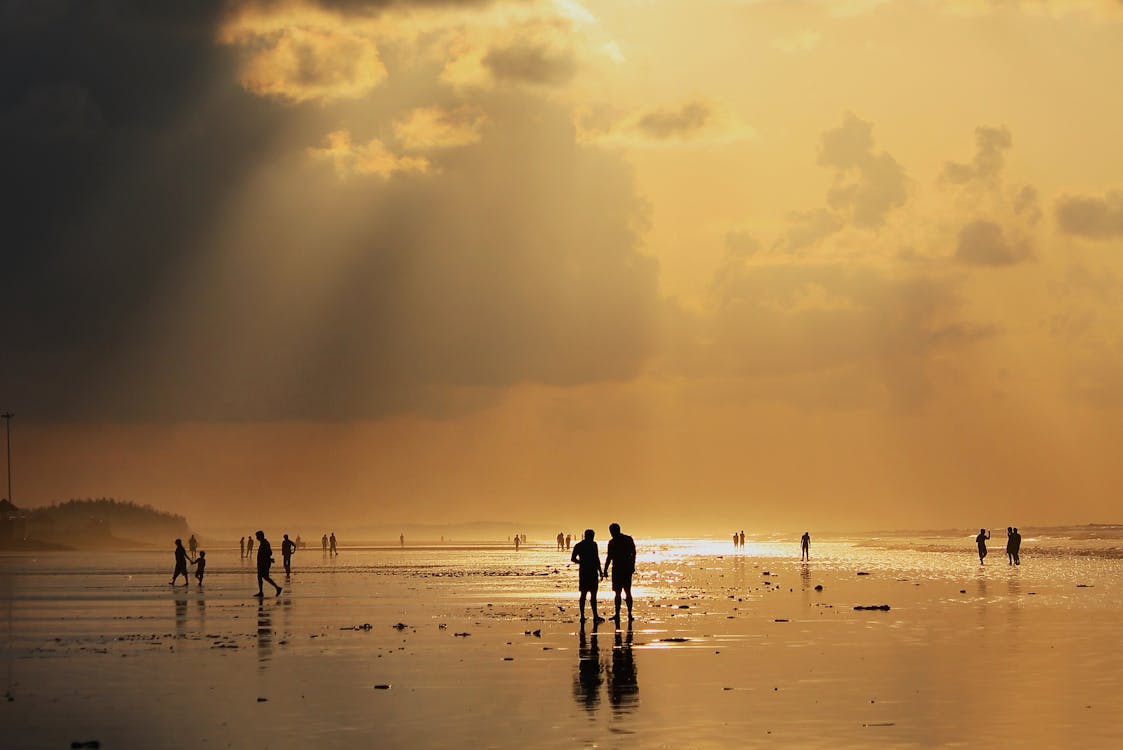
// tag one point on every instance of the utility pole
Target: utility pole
(7, 417)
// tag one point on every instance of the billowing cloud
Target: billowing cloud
(984, 243)
(1095, 217)
(372, 157)
(436, 128)
(693, 122)
(531, 62)
(992, 143)
(868, 184)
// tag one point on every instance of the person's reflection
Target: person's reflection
(264, 634)
(180, 618)
(805, 574)
(623, 684)
(586, 687)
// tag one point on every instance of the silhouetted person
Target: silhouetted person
(299, 542)
(264, 562)
(287, 548)
(180, 564)
(402, 539)
(742, 538)
(331, 544)
(201, 566)
(568, 541)
(1009, 545)
(561, 540)
(623, 685)
(324, 543)
(249, 546)
(981, 540)
(242, 547)
(587, 556)
(621, 558)
(192, 544)
(734, 540)
(1017, 547)
(517, 540)
(805, 546)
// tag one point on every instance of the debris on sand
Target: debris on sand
(879, 607)
(364, 626)
(674, 640)
(262, 700)
(461, 635)
(382, 686)
(818, 587)
(400, 626)
(862, 573)
(1084, 586)
(779, 619)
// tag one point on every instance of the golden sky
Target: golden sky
(692, 266)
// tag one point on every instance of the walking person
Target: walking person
(324, 543)
(1009, 545)
(287, 548)
(249, 546)
(981, 540)
(587, 556)
(1017, 546)
(180, 564)
(621, 558)
(264, 562)
(201, 566)
(331, 544)
(192, 545)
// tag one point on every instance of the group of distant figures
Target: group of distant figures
(264, 558)
(1013, 545)
(564, 540)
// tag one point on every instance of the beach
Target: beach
(482, 646)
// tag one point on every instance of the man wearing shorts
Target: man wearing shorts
(587, 556)
(621, 557)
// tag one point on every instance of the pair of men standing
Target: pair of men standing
(621, 558)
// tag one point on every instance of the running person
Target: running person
(621, 557)
(981, 540)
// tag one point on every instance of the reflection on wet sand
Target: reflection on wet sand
(180, 618)
(586, 685)
(620, 675)
(623, 683)
(264, 634)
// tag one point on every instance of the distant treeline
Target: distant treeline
(119, 517)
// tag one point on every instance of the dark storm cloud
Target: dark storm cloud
(1091, 216)
(868, 184)
(152, 261)
(984, 243)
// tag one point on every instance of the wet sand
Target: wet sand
(483, 648)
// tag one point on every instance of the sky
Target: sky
(692, 266)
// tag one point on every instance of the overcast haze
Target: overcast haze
(686, 265)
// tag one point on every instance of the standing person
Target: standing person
(734, 540)
(568, 541)
(324, 543)
(180, 564)
(249, 546)
(621, 558)
(192, 545)
(981, 540)
(805, 546)
(242, 547)
(287, 548)
(561, 540)
(1017, 546)
(201, 566)
(1009, 545)
(587, 556)
(516, 542)
(264, 562)
(331, 544)
(402, 539)
(742, 538)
